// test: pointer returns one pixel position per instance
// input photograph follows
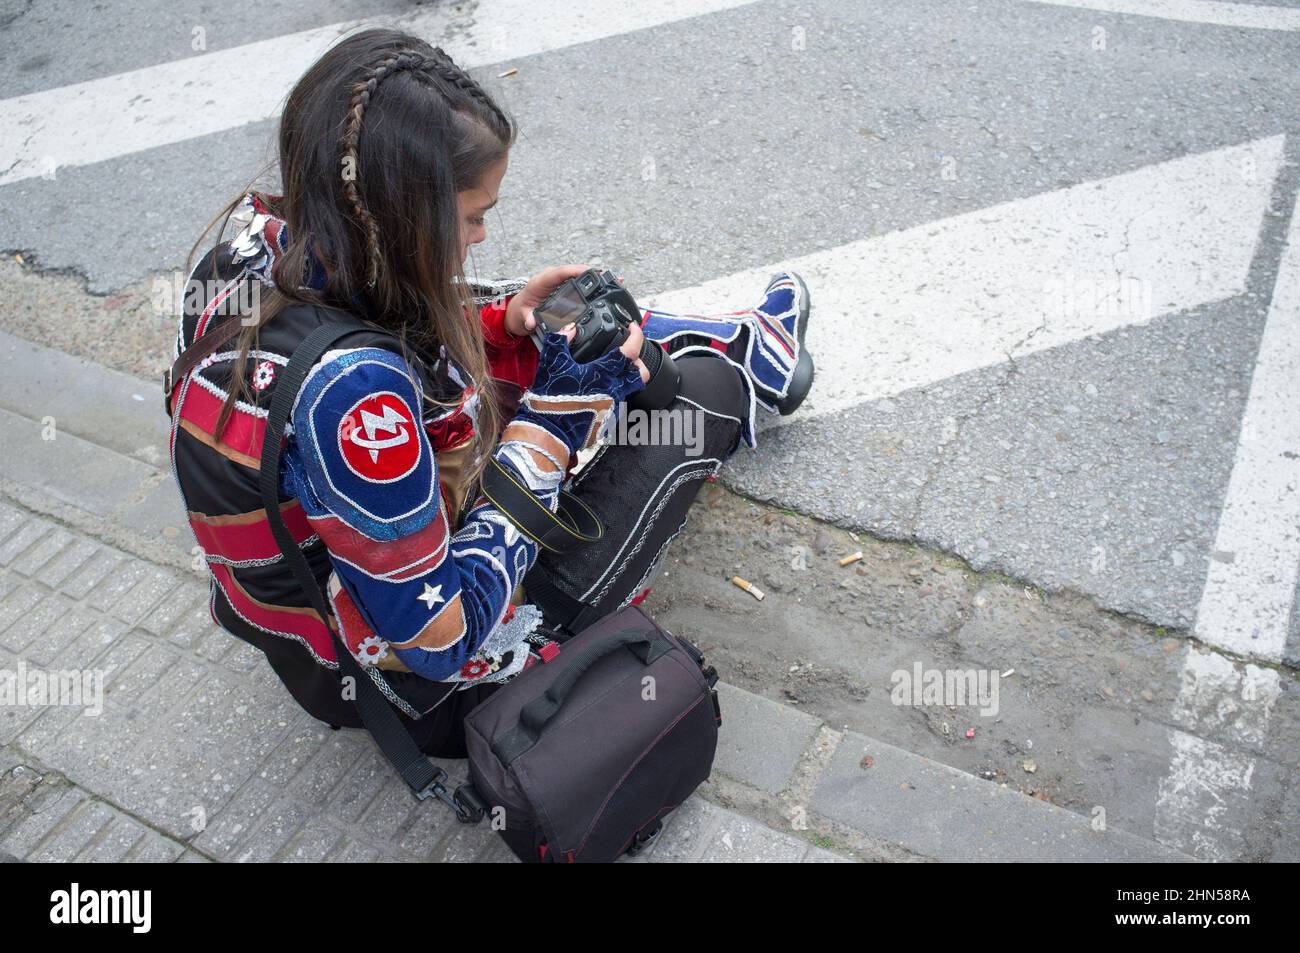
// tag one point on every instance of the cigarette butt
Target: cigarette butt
(748, 586)
(851, 559)
(509, 72)
(1008, 673)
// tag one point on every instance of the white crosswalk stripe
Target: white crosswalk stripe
(1247, 603)
(911, 308)
(160, 105)
(1251, 586)
(1248, 15)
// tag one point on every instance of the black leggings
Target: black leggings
(642, 493)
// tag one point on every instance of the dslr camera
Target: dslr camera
(602, 310)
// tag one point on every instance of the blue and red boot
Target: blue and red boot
(766, 342)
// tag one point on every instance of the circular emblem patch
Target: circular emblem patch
(378, 440)
(263, 375)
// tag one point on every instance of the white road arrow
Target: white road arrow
(917, 306)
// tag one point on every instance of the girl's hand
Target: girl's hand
(571, 401)
(520, 320)
(631, 348)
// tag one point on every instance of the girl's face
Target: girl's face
(474, 203)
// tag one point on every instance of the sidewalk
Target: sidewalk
(200, 754)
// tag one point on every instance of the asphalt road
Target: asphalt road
(1054, 305)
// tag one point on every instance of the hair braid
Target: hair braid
(457, 77)
(361, 94)
(439, 64)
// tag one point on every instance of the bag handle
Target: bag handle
(420, 774)
(647, 646)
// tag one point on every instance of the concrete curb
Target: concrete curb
(87, 453)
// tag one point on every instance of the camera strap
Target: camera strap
(572, 526)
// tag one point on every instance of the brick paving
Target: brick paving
(199, 754)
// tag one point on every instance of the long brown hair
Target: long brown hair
(375, 141)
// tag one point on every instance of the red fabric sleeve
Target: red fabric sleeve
(493, 318)
(510, 358)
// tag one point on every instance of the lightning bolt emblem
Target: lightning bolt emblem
(389, 422)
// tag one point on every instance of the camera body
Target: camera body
(602, 310)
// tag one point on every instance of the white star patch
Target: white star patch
(432, 595)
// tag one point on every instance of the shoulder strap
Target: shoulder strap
(189, 359)
(207, 344)
(423, 777)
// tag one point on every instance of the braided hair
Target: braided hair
(460, 89)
